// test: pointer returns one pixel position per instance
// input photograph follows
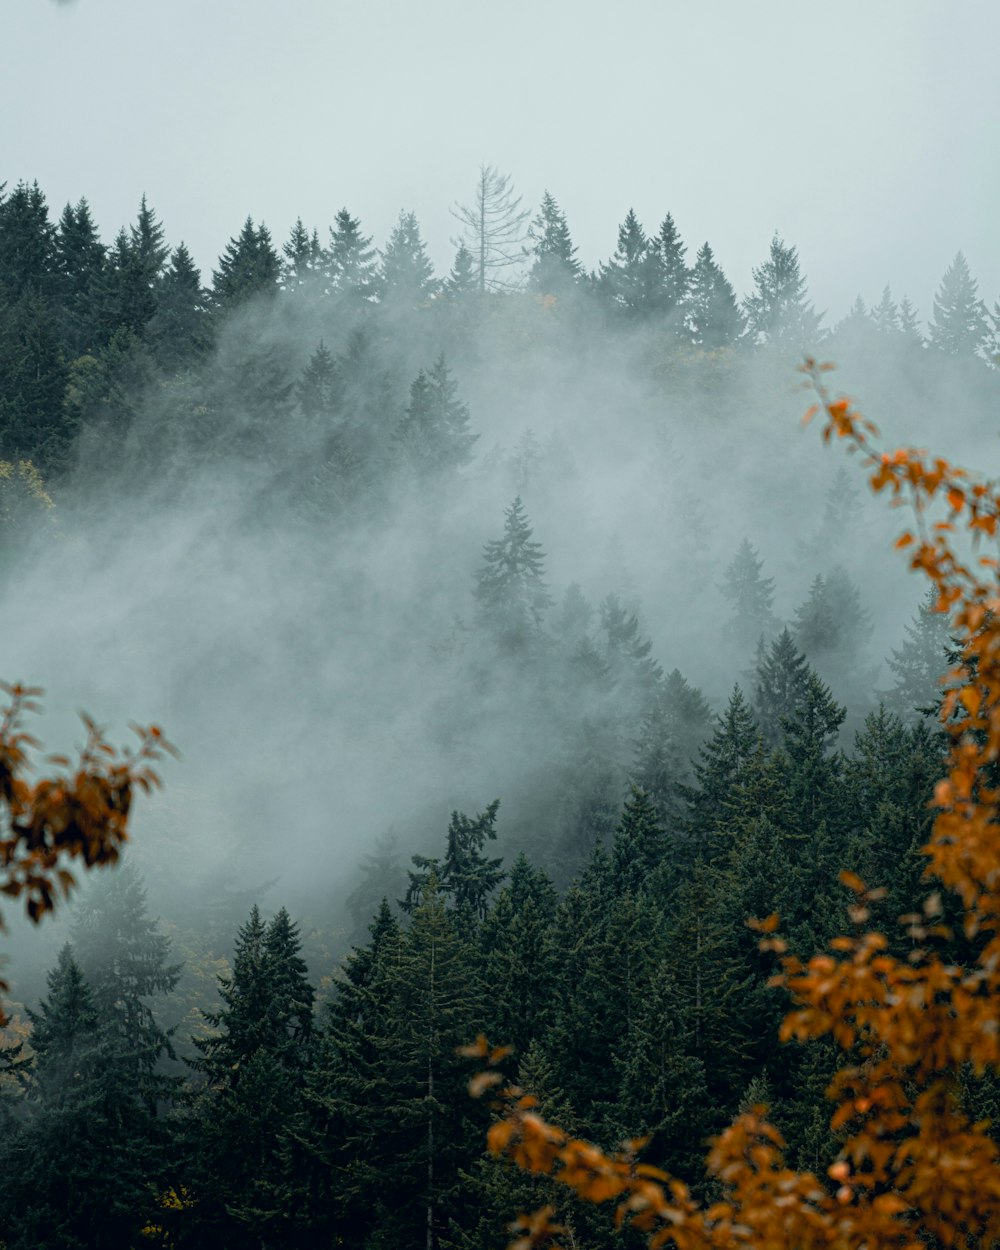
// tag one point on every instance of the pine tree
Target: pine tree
(958, 323)
(405, 279)
(433, 435)
(714, 317)
(493, 229)
(556, 269)
(511, 592)
(249, 267)
(778, 311)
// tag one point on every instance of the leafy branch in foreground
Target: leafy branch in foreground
(80, 812)
(912, 1165)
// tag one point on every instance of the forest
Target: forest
(519, 651)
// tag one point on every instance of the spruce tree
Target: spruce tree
(405, 279)
(920, 663)
(461, 281)
(303, 258)
(181, 328)
(433, 436)
(721, 767)
(958, 323)
(671, 275)
(555, 269)
(248, 268)
(349, 262)
(626, 282)
(316, 389)
(885, 315)
(511, 593)
(80, 258)
(778, 311)
(28, 257)
(34, 423)
(751, 596)
(782, 674)
(713, 314)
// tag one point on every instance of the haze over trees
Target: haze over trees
(519, 654)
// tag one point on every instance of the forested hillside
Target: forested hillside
(519, 652)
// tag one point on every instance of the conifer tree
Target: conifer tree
(181, 328)
(751, 596)
(909, 324)
(80, 258)
(465, 875)
(885, 315)
(920, 663)
(249, 267)
(782, 673)
(350, 264)
(626, 282)
(147, 240)
(832, 628)
(303, 257)
(315, 391)
(722, 764)
(713, 314)
(27, 244)
(958, 323)
(34, 424)
(555, 269)
(639, 849)
(778, 311)
(461, 281)
(511, 592)
(405, 278)
(433, 435)
(671, 275)
(129, 298)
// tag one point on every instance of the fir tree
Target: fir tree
(721, 768)
(626, 281)
(671, 275)
(751, 596)
(640, 845)
(181, 328)
(303, 257)
(405, 279)
(782, 673)
(555, 269)
(350, 265)
(434, 435)
(921, 662)
(461, 281)
(511, 593)
(34, 424)
(958, 323)
(316, 389)
(714, 317)
(249, 267)
(885, 315)
(147, 240)
(80, 258)
(28, 258)
(778, 311)
(465, 874)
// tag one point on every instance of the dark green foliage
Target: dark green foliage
(303, 258)
(181, 328)
(28, 258)
(670, 277)
(80, 265)
(34, 424)
(248, 268)
(722, 768)
(781, 676)
(465, 875)
(640, 846)
(627, 282)
(778, 311)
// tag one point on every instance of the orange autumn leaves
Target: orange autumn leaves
(912, 1165)
(80, 813)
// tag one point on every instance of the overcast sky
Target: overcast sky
(867, 133)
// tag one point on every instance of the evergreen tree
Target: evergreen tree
(434, 433)
(465, 874)
(781, 677)
(34, 424)
(80, 259)
(405, 279)
(909, 325)
(958, 323)
(752, 598)
(832, 628)
(303, 257)
(639, 850)
(714, 317)
(461, 281)
(146, 237)
(350, 264)
(778, 311)
(511, 593)
(181, 329)
(129, 298)
(921, 662)
(28, 257)
(721, 768)
(316, 389)
(671, 275)
(634, 673)
(382, 877)
(555, 269)
(626, 281)
(249, 267)
(885, 315)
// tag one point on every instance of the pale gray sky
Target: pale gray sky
(867, 132)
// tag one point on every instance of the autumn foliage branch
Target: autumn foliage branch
(912, 1166)
(78, 814)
